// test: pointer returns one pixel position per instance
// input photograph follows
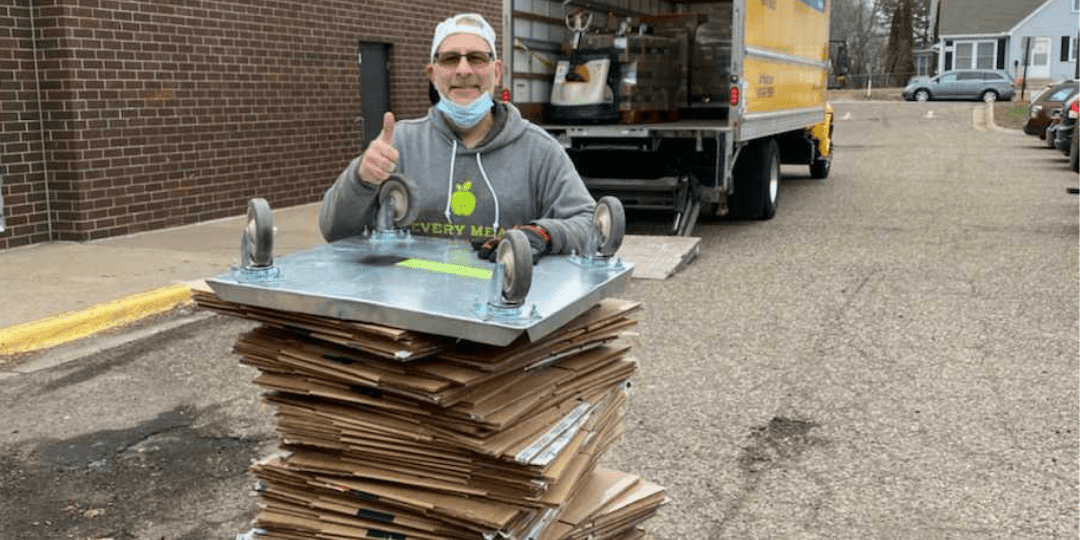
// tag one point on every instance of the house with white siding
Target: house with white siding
(1036, 39)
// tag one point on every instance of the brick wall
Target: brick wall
(158, 114)
(22, 158)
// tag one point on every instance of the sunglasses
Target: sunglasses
(452, 59)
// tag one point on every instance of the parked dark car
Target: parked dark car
(1045, 110)
(1074, 151)
(1036, 94)
(1065, 125)
(1055, 124)
(982, 84)
(1065, 132)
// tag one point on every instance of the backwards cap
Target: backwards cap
(464, 23)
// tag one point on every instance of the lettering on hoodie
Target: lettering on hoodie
(442, 228)
(437, 228)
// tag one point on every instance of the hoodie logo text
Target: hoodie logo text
(434, 228)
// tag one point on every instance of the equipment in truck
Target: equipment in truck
(583, 89)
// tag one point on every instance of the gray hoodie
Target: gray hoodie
(518, 175)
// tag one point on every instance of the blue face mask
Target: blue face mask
(466, 116)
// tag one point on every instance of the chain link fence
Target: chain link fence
(863, 81)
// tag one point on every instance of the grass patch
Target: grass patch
(1010, 114)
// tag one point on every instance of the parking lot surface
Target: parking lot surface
(894, 355)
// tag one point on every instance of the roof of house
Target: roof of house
(966, 17)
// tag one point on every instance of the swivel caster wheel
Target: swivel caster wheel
(609, 225)
(257, 244)
(515, 256)
(398, 207)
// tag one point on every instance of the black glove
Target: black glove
(486, 247)
(539, 242)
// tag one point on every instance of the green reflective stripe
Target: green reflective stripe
(446, 268)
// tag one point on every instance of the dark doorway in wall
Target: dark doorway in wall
(373, 60)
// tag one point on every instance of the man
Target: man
(478, 165)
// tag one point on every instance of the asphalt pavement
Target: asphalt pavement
(894, 356)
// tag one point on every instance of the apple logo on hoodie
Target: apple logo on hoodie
(463, 202)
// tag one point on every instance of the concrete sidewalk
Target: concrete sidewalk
(58, 292)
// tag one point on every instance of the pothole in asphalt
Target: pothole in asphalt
(98, 451)
(782, 440)
(113, 483)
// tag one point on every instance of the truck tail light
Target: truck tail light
(506, 95)
(1074, 109)
(734, 96)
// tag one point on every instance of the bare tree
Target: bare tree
(873, 33)
(899, 59)
(857, 23)
(919, 20)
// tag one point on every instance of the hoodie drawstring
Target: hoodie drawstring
(450, 188)
(495, 226)
(450, 184)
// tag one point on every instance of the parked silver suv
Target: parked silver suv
(982, 84)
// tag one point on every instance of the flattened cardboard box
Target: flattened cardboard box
(397, 434)
(610, 504)
(435, 465)
(387, 342)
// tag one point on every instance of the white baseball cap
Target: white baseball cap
(464, 23)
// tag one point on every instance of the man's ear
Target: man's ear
(499, 67)
(429, 72)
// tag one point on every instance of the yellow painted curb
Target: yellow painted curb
(52, 331)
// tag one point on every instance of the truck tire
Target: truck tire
(757, 179)
(819, 169)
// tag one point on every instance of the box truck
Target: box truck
(684, 105)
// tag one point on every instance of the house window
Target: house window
(1068, 49)
(962, 60)
(975, 54)
(985, 54)
(1040, 52)
(1076, 6)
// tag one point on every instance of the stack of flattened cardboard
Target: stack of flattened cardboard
(393, 434)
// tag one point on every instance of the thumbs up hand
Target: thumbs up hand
(380, 159)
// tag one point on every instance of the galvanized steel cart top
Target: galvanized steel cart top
(424, 284)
